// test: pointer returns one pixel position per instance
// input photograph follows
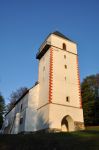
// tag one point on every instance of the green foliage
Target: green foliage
(2, 108)
(90, 99)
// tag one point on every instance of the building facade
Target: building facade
(54, 104)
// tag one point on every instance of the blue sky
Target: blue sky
(24, 24)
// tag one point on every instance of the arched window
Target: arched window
(64, 46)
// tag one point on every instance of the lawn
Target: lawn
(81, 140)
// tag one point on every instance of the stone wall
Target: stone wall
(79, 125)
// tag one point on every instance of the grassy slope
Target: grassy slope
(84, 140)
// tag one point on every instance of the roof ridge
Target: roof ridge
(62, 35)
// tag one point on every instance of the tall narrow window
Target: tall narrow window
(64, 46)
(65, 66)
(67, 99)
(21, 107)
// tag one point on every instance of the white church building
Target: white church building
(54, 103)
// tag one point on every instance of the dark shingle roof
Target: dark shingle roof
(63, 36)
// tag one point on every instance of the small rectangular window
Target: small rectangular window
(67, 99)
(64, 46)
(65, 66)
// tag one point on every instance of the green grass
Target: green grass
(81, 140)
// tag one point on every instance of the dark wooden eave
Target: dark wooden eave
(43, 49)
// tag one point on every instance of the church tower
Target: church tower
(60, 104)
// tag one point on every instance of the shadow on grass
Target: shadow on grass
(51, 141)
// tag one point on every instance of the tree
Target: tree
(15, 95)
(2, 108)
(90, 99)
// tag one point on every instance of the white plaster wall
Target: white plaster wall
(43, 78)
(16, 125)
(31, 111)
(22, 112)
(58, 41)
(28, 112)
(43, 118)
(24, 102)
(61, 87)
(11, 116)
(57, 112)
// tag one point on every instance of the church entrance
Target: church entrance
(67, 124)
